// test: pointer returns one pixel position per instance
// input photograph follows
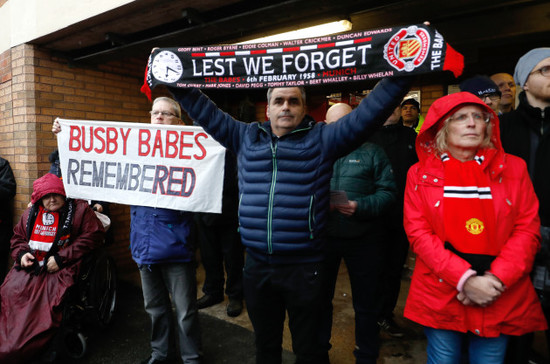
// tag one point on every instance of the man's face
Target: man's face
(286, 109)
(163, 113)
(491, 100)
(409, 114)
(537, 86)
(507, 87)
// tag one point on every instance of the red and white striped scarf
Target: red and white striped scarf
(468, 209)
(43, 233)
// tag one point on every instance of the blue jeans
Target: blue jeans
(445, 347)
(163, 285)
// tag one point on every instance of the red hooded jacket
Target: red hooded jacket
(432, 298)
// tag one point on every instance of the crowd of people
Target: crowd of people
(465, 188)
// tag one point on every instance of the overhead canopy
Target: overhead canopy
(489, 34)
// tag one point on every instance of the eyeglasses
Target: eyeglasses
(478, 117)
(493, 97)
(545, 71)
(163, 113)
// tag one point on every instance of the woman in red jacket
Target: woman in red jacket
(471, 217)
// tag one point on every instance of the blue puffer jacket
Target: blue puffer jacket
(160, 235)
(284, 182)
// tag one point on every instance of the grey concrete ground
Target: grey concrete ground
(231, 340)
(126, 341)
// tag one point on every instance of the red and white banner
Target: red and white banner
(165, 166)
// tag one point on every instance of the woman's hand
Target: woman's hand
(52, 265)
(461, 296)
(27, 260)
(483, 290)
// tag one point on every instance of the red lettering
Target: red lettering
(90, 147)
(144, 137)
(97, 136)
(171, 145)
(124, 140)
(157, 145)
(184, 145)
(111, 140)
(201, 147)
(74, 139)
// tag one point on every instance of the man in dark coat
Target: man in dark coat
(525, 132)
(284, 166)
(398, 141)
(357, 235)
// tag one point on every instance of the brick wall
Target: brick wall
(36, 88)
(429, 94)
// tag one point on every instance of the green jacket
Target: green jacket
(367, 177)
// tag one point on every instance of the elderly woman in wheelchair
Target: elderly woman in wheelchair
(48, 245)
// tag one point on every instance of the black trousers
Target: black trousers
(397, 247)
(364, 259)
(273, 290)
(219, 245)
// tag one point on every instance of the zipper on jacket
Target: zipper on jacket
(271, 198)
(272, 187)
(311, 215)
(239, 213)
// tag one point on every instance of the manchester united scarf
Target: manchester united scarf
(468, 212)
(350, 57)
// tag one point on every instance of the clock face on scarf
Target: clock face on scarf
(166, 67)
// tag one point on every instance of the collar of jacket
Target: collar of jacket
(534, 114)
(433, 167)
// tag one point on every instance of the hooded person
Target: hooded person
(470, 214)
(47, 246)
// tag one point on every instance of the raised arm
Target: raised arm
(224, 128)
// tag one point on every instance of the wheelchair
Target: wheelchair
(89, 307)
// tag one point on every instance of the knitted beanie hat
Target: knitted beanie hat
(527, 62)
(480, 85)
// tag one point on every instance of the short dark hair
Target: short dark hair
(302, 91)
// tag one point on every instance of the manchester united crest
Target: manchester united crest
(408, 48)
(475, 226)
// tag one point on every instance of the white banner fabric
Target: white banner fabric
(165, 166)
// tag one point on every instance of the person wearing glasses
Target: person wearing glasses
(162, 245)
(526, 134)
(471, 216)
(484, 88)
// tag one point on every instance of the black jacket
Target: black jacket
(525, 132)
(398, 141)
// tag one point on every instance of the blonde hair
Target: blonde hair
(443, 133)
